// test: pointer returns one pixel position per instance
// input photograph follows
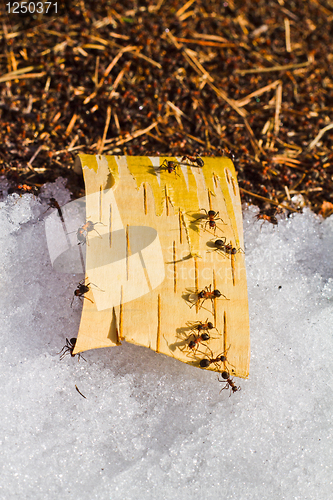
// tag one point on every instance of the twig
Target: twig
(319, 136)
(184, 7)
(106, 128)
(287, 30)
(130, 137)
(273, 68)
(13, 76)
(71, 124)
(278, 109)
(247, 99)
(118, 79)
(272, 202)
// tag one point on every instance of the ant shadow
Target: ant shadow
(194, 293)
(187, 257)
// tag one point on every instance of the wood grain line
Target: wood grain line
(158, 339)
(110, 226)
(232, 259)
(180, 223)
(174, 257)
(128, 252)
(209, 199)
(117, 330)
(121, 315)
(196, 282)
(100, 202)
(166, 200)
(225, 348)
(145, 198)
(215, 300)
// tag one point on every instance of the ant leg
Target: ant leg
(82, 296)
(98, 288)
(65, 353)
(225, 387)
(97, 232)
(219, 218)
(65, 347)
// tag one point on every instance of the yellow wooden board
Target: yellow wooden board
(155, 252)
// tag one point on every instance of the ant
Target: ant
(81, 289)
(200, 326)
(83, 231)
(221, 358)
(203, 330)
(229, 383)
(196, 340)
(194, 159)
(81, 236)
(227, 248)
(69, 348)
(206, 294)
(229, 153)
(211, 217)
(54, 204)
(204, 363)
(269, 215)
(170, 166)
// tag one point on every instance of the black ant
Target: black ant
(227, 248)
(194, 159)
(69, 348)
(229, 383)
(268, 215)
(208, 294)
(81, 289)
(170, 166)
(54, 204)
(211, 217)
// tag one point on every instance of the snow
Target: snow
(151, 427)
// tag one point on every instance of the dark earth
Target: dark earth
(171, 78)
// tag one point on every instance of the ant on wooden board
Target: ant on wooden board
(170, 166)
(69, 348)
(221, 246)
(200, 326)
(208, 294)
(209, 360)
(229, 383)
(81, 289)
(211, 217)
(194, 159)
(82, 232)
(196, 340)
